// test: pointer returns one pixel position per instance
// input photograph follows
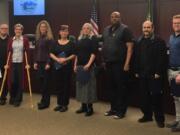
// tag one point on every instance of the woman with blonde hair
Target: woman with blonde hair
(86, 49)
(44, 40)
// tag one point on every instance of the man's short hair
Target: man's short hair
(176, 16)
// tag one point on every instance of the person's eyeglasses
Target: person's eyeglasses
(4, 28)
(176, 23)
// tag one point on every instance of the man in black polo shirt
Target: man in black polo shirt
(150, 67)
(3, 56)
(117, 51)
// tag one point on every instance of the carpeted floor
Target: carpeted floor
(27, 121)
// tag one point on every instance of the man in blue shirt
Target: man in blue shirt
(174, 70)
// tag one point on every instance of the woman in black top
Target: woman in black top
(62, 54)
(84, 67)
(44, 40)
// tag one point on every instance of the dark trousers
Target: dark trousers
(151, 98)
(117, 80)
(17, 75)
(5, 90)
(44, 81)
(63, 80)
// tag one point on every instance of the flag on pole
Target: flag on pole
(94, 18)
(150, 11)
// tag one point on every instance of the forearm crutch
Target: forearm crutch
(29, 81)
(5, 74)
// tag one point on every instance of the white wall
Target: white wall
(4, 11)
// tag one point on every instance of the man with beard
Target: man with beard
(3, 56)
(150, 57)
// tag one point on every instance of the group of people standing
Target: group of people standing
(53, 60)
(146, 57)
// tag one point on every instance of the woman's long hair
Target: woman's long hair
(49, 35)
(82, 34)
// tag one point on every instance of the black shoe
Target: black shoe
(89, 112)
(82, 109)
(2, 102)
(145, 119)
(173, 124)
(118, 116)
(17, 104)
(42, 106)
(160, 124)
(57, 108)
(110, 113)
(63, 109)
(176, 129)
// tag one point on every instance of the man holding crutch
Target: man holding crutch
(4, 37)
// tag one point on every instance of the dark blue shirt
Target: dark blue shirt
(174, 43)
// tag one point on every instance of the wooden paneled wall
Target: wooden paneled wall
(76, 12)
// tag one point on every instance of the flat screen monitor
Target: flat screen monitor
(29, 7)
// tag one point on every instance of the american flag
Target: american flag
(94, 18)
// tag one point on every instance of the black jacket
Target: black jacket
(3, 51)
(156, 56)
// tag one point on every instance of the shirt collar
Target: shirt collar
(152, 37)
(3, 37)
(21, 38)
(176, 35)
(114, 27)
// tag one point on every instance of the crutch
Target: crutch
(29, 81)
(5, 74)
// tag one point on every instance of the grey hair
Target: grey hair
(19, 25)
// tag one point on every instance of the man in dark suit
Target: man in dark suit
(3, 56)
(150, 63)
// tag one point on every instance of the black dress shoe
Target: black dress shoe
(17, 104)
(63, 109)
(57, 108)
(82, 109)
(145, 119)
(160, 124)
(2, 102)
(89, 110)
(42, 106)
(110, 113)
